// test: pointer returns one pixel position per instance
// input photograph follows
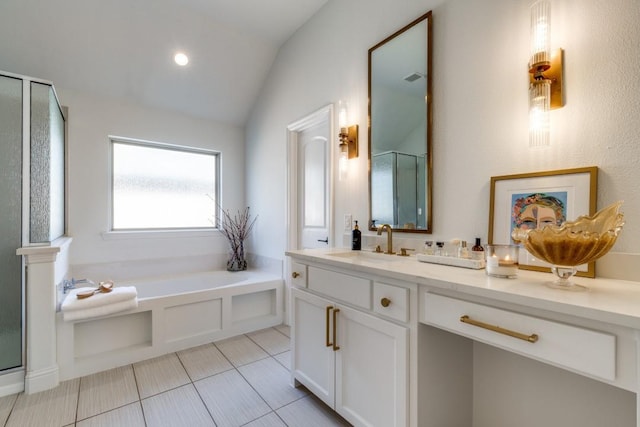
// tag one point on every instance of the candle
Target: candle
(502, 260)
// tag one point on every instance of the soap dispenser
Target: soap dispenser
(356, 238)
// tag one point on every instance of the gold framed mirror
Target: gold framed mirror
(400, 129)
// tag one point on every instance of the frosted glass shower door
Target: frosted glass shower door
(10, 222)
(47, 165)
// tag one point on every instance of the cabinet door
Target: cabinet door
(371, 370)
(313, 363)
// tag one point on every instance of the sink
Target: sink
(368, 256)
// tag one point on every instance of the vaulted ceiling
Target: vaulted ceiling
(125, 48)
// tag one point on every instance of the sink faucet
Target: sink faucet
(389, 237)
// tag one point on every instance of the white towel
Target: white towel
(118, 294)
(102, 310)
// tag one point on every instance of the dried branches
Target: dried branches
(236, 229)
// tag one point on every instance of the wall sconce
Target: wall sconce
(545, 70)
(348, 137)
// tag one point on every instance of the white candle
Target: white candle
(503, 266)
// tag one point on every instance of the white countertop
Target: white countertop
(606, 300)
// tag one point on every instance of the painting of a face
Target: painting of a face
(537, 216)
(530, 211)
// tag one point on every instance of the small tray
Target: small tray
(475, 264)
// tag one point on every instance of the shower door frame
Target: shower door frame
(12, 380)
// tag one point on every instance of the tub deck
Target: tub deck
(173, 314)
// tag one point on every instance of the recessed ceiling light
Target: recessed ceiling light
(181, 59)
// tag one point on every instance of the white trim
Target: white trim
(23, 77)
(41, 379)
(43, 254)
(26, 161)
(159, 234)
(112, 234)
(326, 112)
(12, 382)
(165, 145)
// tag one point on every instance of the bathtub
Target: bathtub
(174, 313)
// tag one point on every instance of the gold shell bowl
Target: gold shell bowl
(574, 242)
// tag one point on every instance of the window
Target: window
(159, 186)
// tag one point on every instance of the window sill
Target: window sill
(157, 234)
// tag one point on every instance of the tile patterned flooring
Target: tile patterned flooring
(240, 381)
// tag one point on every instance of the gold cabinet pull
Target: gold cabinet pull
(328, 341)
(385, 302)
(336, 347)
(530, 338)
(295, 274)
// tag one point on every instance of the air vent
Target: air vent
(413, 76)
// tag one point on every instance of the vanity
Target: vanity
(389, 341)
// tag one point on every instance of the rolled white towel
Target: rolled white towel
(118, 294)
(102, 310)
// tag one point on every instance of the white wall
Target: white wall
(480, 105)
(480, 131)
(91, 120)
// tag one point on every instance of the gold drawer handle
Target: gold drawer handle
(385, 302)
(336, 347)
(295, 274)
(530, 338)
(328, 340)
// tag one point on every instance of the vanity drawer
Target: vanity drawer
(572, 347)
(298, 274)
(351, 289)
(391, 301)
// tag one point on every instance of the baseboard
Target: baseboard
(41, 380)
(12, 382)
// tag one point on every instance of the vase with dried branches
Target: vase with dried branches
(236, 229)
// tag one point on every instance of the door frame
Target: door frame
(291, 226)
(291, 211)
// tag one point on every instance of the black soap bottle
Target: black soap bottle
(356, 238)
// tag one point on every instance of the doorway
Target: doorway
(310, 222)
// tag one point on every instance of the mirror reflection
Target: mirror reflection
(400, 129)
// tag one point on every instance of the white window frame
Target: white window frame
(158, 232)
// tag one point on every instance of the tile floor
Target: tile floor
(240, 381)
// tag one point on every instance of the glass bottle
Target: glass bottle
(428, 247)
(356, 238)
(477, 251)
(463, 251)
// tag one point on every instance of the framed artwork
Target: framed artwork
(534, 200)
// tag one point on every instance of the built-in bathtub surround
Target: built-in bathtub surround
(173, 313)
(46, 265)
(137, 269)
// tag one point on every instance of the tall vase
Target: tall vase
(237, 260)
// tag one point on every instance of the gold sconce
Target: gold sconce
(545, 69)
(348, 137)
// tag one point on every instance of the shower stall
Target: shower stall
(32, 190)
(399, 180)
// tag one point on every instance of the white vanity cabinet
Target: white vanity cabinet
(394, 342)
(353, 359)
